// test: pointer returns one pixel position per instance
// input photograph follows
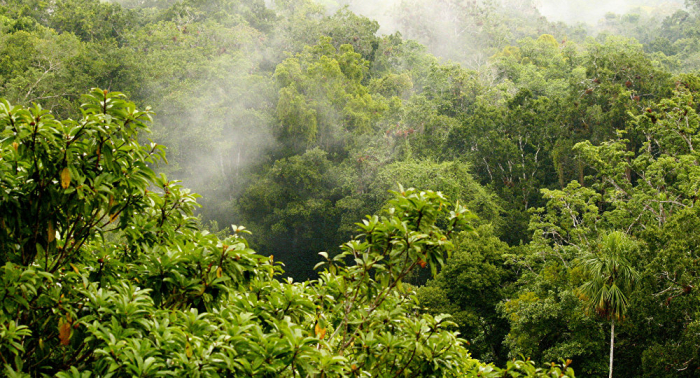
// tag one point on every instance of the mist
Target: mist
(221, 131)
(470, 32)
(592, 11)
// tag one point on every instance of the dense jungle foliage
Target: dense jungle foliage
(554, 228)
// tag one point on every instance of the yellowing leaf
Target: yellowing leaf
(51, 232)
(64, 331)
(188, 349)
(320, 332)
(219, 272)
(113, 217)
(75, 269)
(15, 145)
(65, 178)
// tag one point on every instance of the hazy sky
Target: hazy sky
(590, 11)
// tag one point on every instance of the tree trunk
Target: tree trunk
(612, 344)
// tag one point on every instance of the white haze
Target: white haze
(452, 30)
(568, 11)
(592, 11)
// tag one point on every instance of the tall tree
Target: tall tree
(611, 279)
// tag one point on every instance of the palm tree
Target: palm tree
(610, 278)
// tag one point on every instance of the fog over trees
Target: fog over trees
(591, 12)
